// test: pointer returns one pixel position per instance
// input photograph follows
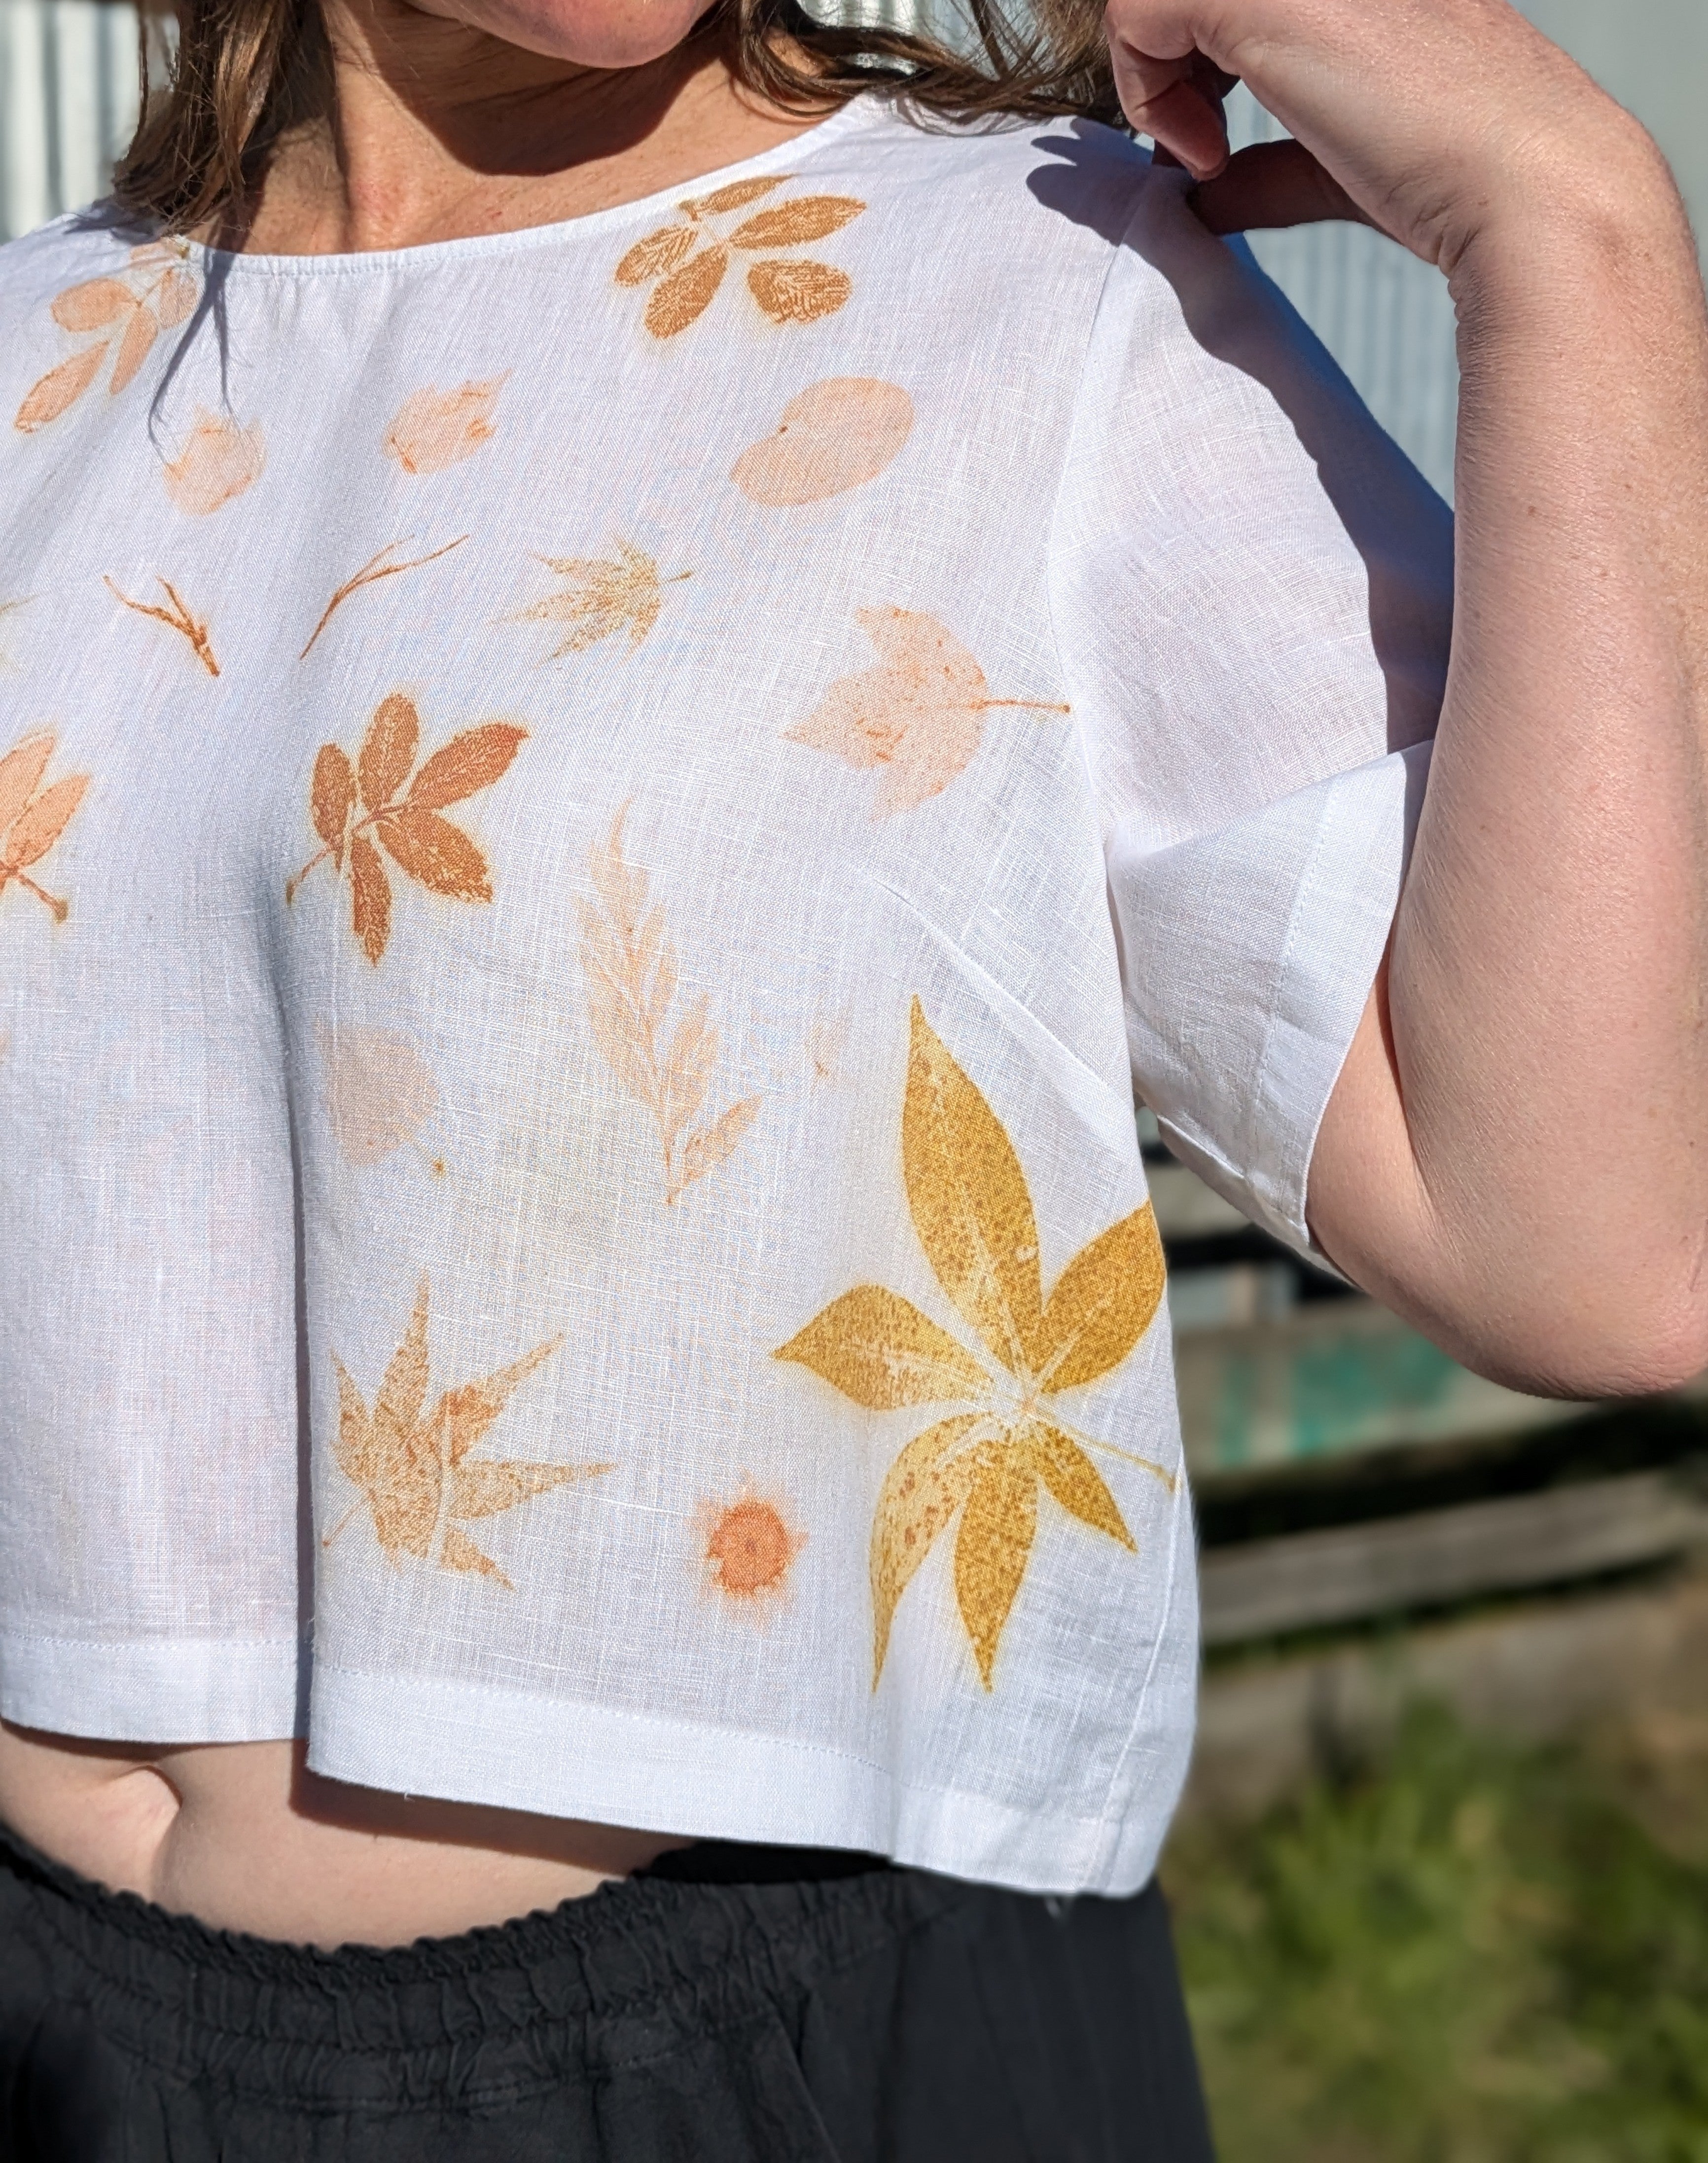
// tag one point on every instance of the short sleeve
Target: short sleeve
(1252, 594)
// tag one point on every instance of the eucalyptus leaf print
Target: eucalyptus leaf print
(176, 615)
(374, 801)
(662, 1049)
(434, 429)
(918, 718)
(836, 436)
(34, 816)
(1008, 1434)
(602, 596)
(219, 459)
(415, 1467)
(120, 318)
(685, 264)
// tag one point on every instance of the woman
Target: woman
(640, 681)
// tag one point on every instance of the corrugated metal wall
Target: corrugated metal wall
(67, 101)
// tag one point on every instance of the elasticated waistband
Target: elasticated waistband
(627, 1973)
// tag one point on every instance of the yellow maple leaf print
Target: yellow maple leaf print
(972, 1210)
(685, 264)
(121, 317)
(602, 595)
(664, 1055)
(32, 818)
(352, 807)
(415, 1467)
(917, 717)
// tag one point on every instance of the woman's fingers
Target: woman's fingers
(1177, 103)
(1272, 184)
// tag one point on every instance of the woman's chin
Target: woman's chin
(590, 33)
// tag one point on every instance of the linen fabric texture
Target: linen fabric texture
(597, 827)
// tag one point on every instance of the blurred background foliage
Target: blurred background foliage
(1457, 1951)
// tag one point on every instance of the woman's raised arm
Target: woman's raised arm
(1516, 1153)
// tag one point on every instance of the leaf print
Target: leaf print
(918, 717)
(124, 315)
(972, 1208)
(402, 815)
(379, 1094)
(11, 608)
(133, 348)
(219, 460)
(412, 1465)
(834, 437)
(91, 306)
(602, 595)
(372, 572)
(686, 293)
(630, 967)
(434, 429)
(176, 616)
(798, 292)
(826, 1042)
(688, 262)
(749, 1547)
(30, 824)
(808, 218)
(736, 195)
(59, 390)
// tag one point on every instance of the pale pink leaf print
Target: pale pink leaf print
(176, 301)
(219, 460)
(380, 1093)
(133, 348)
(59, 390)
(93, 305)
(434, 429)
(917, 717)
(121, 317)
(834, 437)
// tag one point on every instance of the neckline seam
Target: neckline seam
(223, 264)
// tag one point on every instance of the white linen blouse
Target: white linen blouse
(595, 826)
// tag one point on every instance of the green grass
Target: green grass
(1463, 1955)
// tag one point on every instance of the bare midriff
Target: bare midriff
(243, 1836)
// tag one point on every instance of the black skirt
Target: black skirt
(733, 2005)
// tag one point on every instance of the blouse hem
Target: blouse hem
(165, 1689)
(431, 1736)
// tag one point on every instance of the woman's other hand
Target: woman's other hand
(1411, 115)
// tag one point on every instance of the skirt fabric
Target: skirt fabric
(732, 2005)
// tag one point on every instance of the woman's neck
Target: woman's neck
(430, 130)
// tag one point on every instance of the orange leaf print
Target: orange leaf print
(836, 436)
(219, 460)
(971, 1208)
(917, 717)
(380, 1093)
(133, 348)
(92, 305)
(30, 824)
(798, 292)
(401, 815)
(602, 595)
(176, 616)
(413, 1464)
(376, 568)
(59, 390)
(808, 218)
(434, 429)
(630, 965)
(689, 261)
(125, 315)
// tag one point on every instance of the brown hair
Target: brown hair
(246, 70)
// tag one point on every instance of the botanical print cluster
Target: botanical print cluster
(415, 1467)
(32, 818)
(664, 1051)
(684, 264)
(972, 1210)
(377, 797)
(119, 319)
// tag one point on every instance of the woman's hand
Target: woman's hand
(1420, 117)
(1516, 1155)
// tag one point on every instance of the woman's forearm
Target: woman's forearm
(1520, 1157)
